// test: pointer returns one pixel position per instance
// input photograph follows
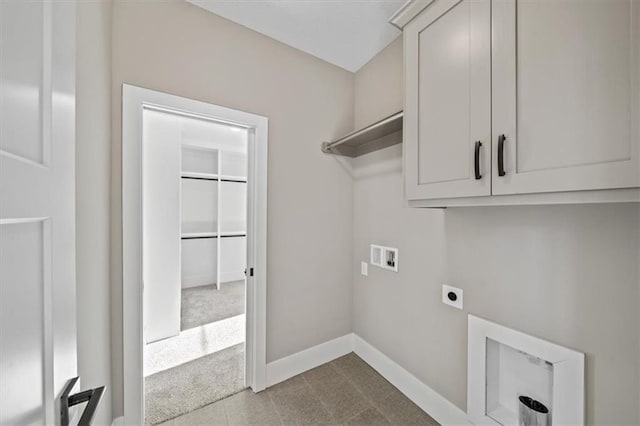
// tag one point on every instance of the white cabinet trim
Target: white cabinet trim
(407, 12)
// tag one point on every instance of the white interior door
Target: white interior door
(447, 122)
(37, 237)
(566, 95)
(161, 142)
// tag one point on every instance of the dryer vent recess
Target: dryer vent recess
(384, 257)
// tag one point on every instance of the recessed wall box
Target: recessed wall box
(384, 257)
(376, 255)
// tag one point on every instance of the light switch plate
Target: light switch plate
(452, 296)
(364, 268)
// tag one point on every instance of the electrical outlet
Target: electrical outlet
(364, 268)
(452, 296)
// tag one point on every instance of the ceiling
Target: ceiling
(346, 33)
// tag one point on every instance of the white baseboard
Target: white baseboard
(118, 421)
(202, 280)
(438, 407)
(190, 281)
(231, 277)
(292, 365)
(441, 409)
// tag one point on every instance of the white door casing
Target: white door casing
(134, 100)
(568, 102)
(37, 222)
(448, 100)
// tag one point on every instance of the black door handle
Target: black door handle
(476, 160)
(92, 397)
(501, 140)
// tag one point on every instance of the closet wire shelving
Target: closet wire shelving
(218, 234)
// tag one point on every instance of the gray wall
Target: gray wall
(181, 49)
(568, 274)
(93, 147)
(379, 86)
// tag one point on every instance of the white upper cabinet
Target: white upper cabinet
(565, 94)
(550, 88)
(448, 103)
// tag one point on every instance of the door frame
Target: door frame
(134, 99)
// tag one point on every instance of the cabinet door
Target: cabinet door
(567, 102)
(448, 100)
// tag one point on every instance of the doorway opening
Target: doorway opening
(194, 184)
(194, 224)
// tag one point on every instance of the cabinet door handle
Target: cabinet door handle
(476, 160)
(501, 140)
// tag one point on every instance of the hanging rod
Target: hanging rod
(214, 179)
(199, 178)
(384, 133)
(197, 237)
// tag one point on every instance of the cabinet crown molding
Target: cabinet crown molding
(407, 12)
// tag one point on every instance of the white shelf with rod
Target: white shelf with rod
(229, 178)
(213, 234)
(211, 176)
(232, 208)
(197, 175)
(191, 235)
(199, 227)
(376, 136)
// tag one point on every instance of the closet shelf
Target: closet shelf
(229, 178)
(211, 176)
(196, 147)
(195, 235)
(232, 234)
(197, 175)
(189, 235)
(378, 135)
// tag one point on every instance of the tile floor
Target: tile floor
(346, 391)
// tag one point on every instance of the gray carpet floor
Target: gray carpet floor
(204, 305)
(189, 386)
(182, 389)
